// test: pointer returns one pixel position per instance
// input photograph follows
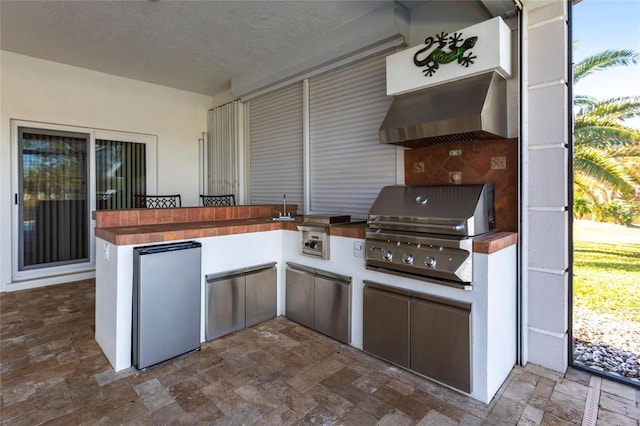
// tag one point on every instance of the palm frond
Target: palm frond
(629, 151)
(591, 120)
(632, 166)
(620, 108)
(584, 121)
(584, 187)
(595, 165)
(584, 101)
(604, 135)
(602, 61)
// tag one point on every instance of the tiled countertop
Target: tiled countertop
(160, 232)
(146, 234)
(145, 226)
(142, 226)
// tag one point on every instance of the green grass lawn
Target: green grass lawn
(606, 269)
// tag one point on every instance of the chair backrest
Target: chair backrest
(158, 201)
(218, 200)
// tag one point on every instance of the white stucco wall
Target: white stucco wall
(37, 90)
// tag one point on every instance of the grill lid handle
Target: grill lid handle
(423, 227)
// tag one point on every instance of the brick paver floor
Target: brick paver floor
(275, 373)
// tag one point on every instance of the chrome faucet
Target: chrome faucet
(284, 205)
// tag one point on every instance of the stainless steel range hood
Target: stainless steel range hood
(471, 109)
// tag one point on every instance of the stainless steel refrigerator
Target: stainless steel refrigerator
(166, 302)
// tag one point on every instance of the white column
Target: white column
(545, 141)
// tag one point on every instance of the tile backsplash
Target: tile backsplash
(471, 162)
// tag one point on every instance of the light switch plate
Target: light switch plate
(358, 249)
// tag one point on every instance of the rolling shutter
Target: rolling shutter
(276, 147)
(348, 164)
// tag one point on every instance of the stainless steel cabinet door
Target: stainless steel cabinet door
(441, 342)
(261, 295)
(332, 313)
(299, 297)
(225, 306)
(386, 325)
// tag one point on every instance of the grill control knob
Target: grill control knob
(387, 255)
(430, 261)
(407, 258)
(313, 244)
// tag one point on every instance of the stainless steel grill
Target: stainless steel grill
(426, 232)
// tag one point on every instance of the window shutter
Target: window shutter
(222, 152)
(349, 166)
(276, 147)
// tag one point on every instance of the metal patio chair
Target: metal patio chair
(218, 200)
(158, 201)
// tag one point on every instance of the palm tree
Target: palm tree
(606, 151)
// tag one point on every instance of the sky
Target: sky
(599, 25)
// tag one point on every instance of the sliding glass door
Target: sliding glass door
(61, 174)
(52, 198)
(121, 173)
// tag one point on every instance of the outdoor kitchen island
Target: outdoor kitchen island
(237, 237)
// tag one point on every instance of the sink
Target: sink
(283, 219)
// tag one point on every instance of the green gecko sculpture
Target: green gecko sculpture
(457, 49)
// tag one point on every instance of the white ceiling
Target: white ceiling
(198, 46)
(191, 45)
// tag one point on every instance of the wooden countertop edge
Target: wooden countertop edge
(148, 234)
(157, 233)
(493, 242)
